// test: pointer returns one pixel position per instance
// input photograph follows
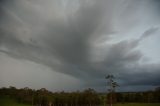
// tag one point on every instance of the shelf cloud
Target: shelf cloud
(77, 43)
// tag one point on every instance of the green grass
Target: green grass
(137, 104)
(6, 101)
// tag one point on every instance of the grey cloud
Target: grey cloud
(149, 32)
(141, 75)
(68, 41)
(63, 39)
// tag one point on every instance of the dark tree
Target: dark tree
(111, 98)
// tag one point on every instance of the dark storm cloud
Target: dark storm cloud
(64, 39)
(149, 32)
(156, 4)
(68, 40)
(144, 75)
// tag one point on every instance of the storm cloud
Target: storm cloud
(78, 43)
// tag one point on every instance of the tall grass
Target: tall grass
(137, 104)
(6, 101)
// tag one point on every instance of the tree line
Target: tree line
(88, 97)
(141, 97)
(43, 97)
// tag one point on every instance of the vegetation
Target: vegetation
(44, 97)
(141, 97)
(7, 101)
(18, 97)
(138, 104)
(112, 86)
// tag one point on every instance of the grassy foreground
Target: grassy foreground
(138, 104)
(10, 102)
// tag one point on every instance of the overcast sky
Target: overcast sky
(73, 44)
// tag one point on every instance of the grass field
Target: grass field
(138, 104)
(10, 102)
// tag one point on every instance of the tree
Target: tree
(112, 86)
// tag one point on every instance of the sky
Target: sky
(73, 44)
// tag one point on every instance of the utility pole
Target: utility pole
(112, 85)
